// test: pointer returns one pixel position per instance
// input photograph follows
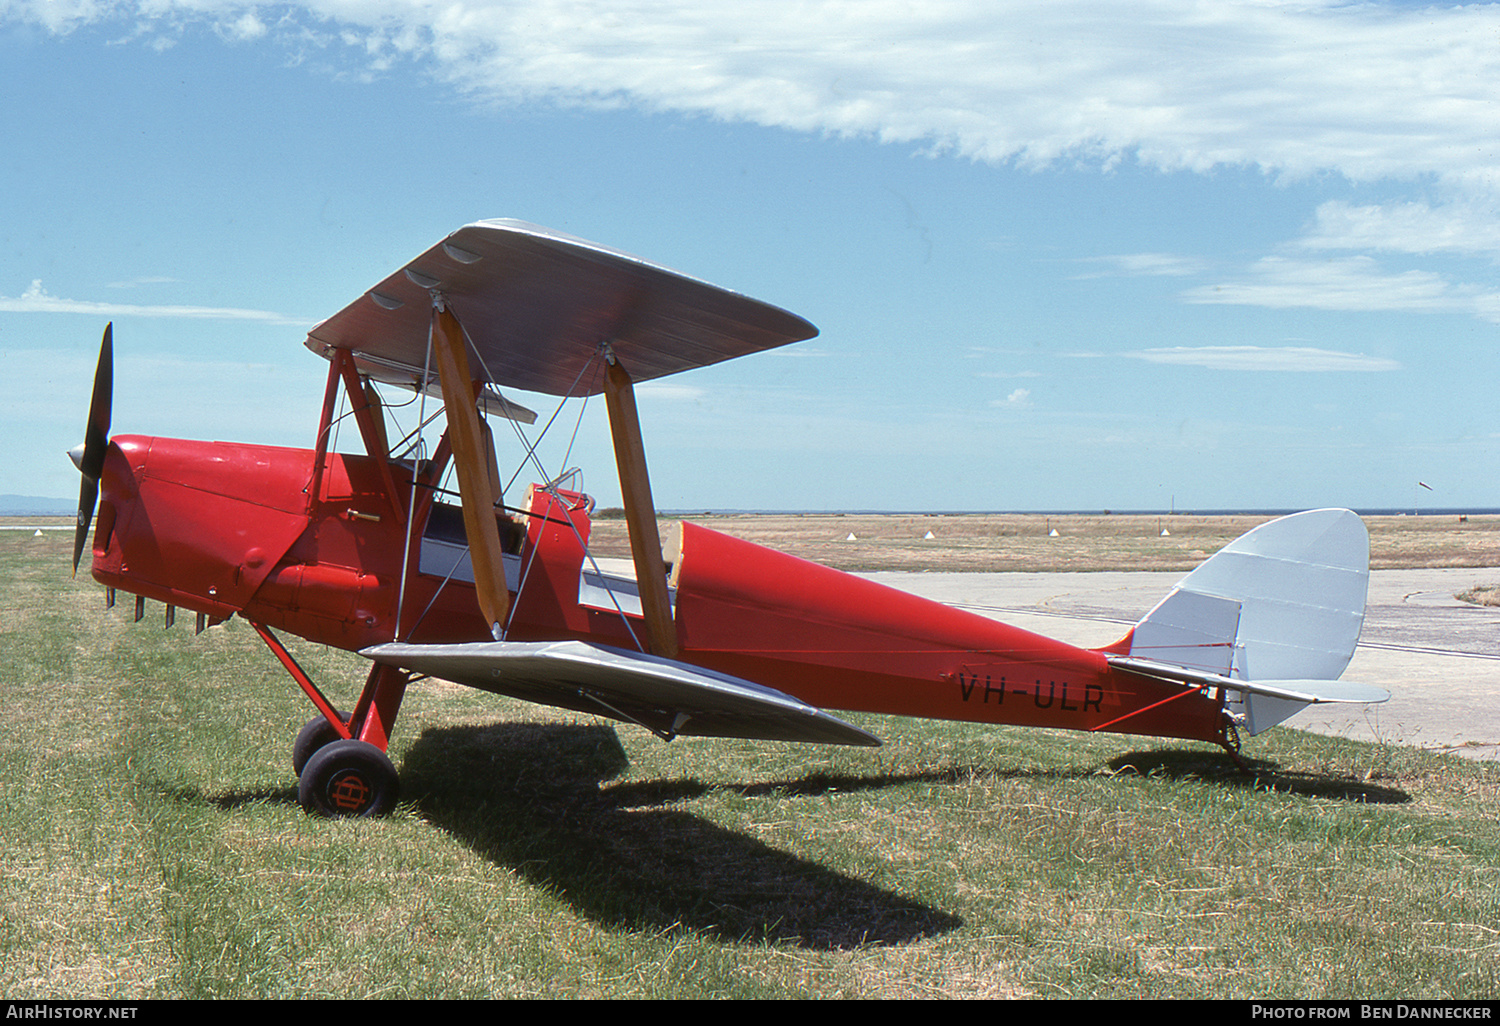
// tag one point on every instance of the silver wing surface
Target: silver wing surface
(538, 304)
(667, 697)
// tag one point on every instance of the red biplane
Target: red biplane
(371, 552)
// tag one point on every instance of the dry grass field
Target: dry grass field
(993, 542)
(154, 845)
(1023, 542)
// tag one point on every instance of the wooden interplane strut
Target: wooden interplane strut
(640, 511)
(473, 460)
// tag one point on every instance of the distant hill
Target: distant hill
(34, 506)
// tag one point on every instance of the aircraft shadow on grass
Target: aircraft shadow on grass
(534, 798)
(528, 797)
(1259, 774)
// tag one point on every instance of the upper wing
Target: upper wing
(663, 695)
(537, 304)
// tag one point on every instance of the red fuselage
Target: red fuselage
(334, 557)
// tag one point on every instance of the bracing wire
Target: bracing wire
(531, 457)
(411, 514)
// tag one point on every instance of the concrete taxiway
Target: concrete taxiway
(1438, 657)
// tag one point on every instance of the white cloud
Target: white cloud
(1020, 397)
(55, 15)
(38, 300)
(797, 352)
(1149, 265)
(136, 282)
(1262, 358)
(245, 28)
(1365, 90)
(1346, 283)
(1458, 228)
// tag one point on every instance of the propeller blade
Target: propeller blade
(88, 495)
(95, 442)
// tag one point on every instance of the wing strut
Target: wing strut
(476, 481)
(640, 511)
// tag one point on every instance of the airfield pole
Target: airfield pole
(1416, 495)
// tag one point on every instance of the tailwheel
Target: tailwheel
(1229, 740)
(315, 734)
(348, 778)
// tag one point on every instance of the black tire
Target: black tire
(315, 733)
(348, 778)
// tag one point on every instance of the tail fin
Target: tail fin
(1278, 612)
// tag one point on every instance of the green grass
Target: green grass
(154, 847)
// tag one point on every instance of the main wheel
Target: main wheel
(315, 733)
(348, 778)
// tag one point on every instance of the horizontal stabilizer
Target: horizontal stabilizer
(1258, 705)
(1315, 692)
(1309, 692)
(665, 696)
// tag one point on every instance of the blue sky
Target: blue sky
(1062, 255)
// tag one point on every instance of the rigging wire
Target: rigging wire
(530, 456)
(411, 509)
(551, 488)
(417, 431)
(595, 363)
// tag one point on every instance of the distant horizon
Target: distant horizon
(27, 505)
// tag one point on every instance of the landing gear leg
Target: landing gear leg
(354, 776)
(341, 763)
